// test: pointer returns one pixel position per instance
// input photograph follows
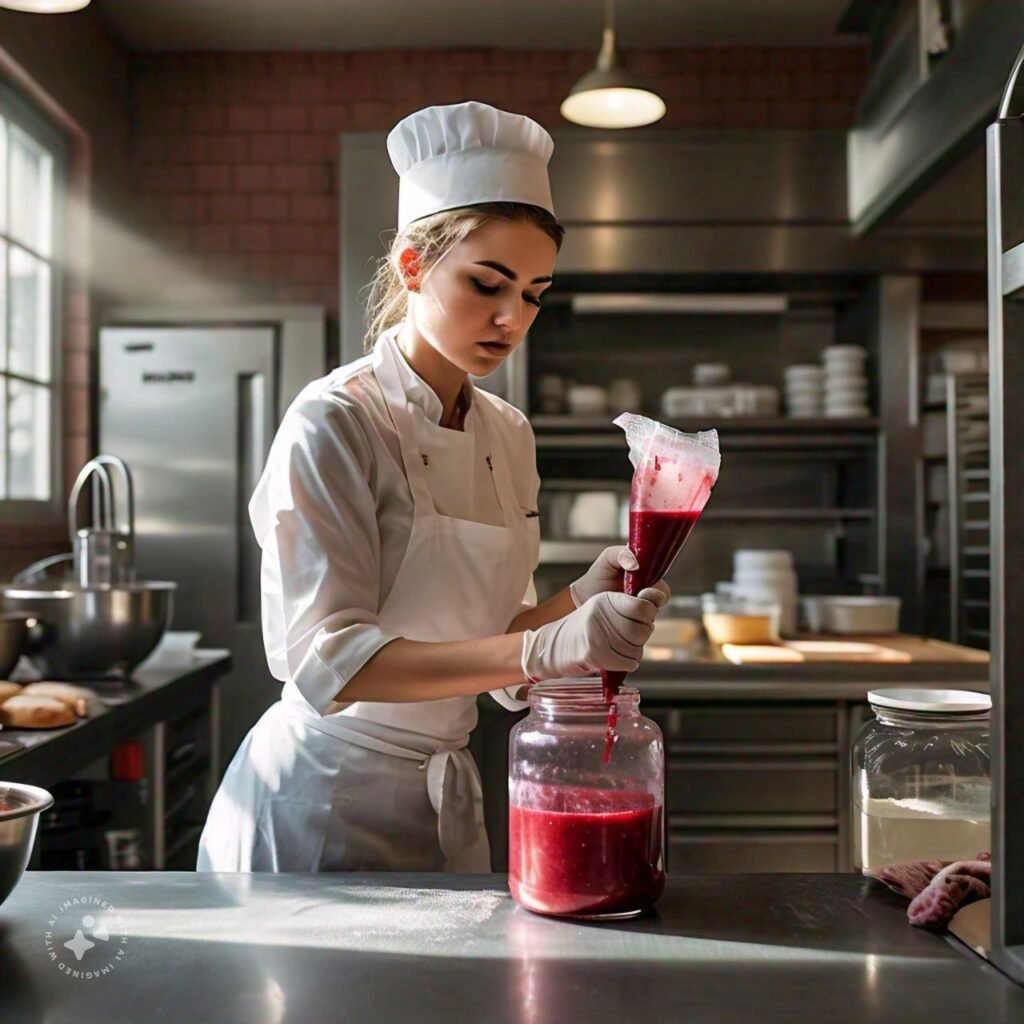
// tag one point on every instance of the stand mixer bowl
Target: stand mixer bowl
(90, 631)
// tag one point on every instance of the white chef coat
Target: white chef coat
(333, 514)
(370, 785)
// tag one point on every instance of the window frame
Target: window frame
(16, 110)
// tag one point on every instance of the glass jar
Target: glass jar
(921, 786)
(586, 805)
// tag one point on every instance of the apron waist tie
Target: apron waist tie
(456, 762)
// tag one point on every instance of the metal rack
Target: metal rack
(822, 498)
(967, 422)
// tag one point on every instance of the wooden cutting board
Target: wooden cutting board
(898, 648)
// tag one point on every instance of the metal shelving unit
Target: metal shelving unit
(969, 477)
(809, 485)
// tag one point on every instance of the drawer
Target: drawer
(751, 786)
(745, 724)
(726, 852)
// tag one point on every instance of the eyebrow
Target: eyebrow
(510, 274)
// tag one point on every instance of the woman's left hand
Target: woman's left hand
(606, 574)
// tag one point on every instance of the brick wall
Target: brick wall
(235, 154)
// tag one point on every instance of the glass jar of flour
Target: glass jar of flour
(921, 786)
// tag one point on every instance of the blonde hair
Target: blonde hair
(433, 238)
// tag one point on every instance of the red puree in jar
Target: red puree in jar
(605, 860)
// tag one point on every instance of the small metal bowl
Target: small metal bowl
(20, 807)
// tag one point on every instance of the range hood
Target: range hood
(920, 113)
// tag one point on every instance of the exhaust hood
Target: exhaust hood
(922, 110)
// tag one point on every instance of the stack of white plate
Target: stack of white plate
(846, 384)
(767, 575)
(804, 390)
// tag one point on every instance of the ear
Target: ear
(409, 260)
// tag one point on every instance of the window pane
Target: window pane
(31, 169)
(29, 350)
(3, 174)
(28, 440)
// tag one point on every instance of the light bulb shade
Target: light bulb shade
(611, 98)
(45, 6)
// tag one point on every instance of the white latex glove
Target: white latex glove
(606, 574)
(608, 633)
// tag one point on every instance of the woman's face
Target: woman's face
(476, 304)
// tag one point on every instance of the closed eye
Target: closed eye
(486, 289)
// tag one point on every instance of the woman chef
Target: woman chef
(397, 519)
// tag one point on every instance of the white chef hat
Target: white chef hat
(468, 153)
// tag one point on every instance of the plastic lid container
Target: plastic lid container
(932, 701)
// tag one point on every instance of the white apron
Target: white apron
(368, 788)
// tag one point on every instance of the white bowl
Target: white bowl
(853, 412)
(761, 558)
(803, 371)
(594, 514)
(711, 374)
(844, 375)
(843, 352)
(799, 386)
(587, 400)
(865, 615)
(768, 577)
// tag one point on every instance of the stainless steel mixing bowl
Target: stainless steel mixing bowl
(90, 631)
(20, 807)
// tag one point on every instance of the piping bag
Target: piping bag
(673, 474)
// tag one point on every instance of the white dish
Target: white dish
(711, 374)
(587, 400)
(803, 371)
(844, 378)
(773, 577)
(869, 616)
(800, 387)
(594, 514)
(761, 558)
(831, 352)
(859, 412)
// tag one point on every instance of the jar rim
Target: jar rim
(580, 695)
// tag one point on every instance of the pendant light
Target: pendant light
(44, 6)
(609, 96)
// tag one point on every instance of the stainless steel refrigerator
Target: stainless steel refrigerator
(192, 408)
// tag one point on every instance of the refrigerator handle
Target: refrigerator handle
(252, 450)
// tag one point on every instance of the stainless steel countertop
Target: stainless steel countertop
(124, 709)
(422, 948)
(706, 678)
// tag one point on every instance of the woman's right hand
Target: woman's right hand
(607, 633)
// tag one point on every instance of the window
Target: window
(32, 166)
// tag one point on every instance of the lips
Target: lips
(495, 348)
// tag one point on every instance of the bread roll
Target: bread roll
(75, 697)
(8, 690)
(35, 713)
